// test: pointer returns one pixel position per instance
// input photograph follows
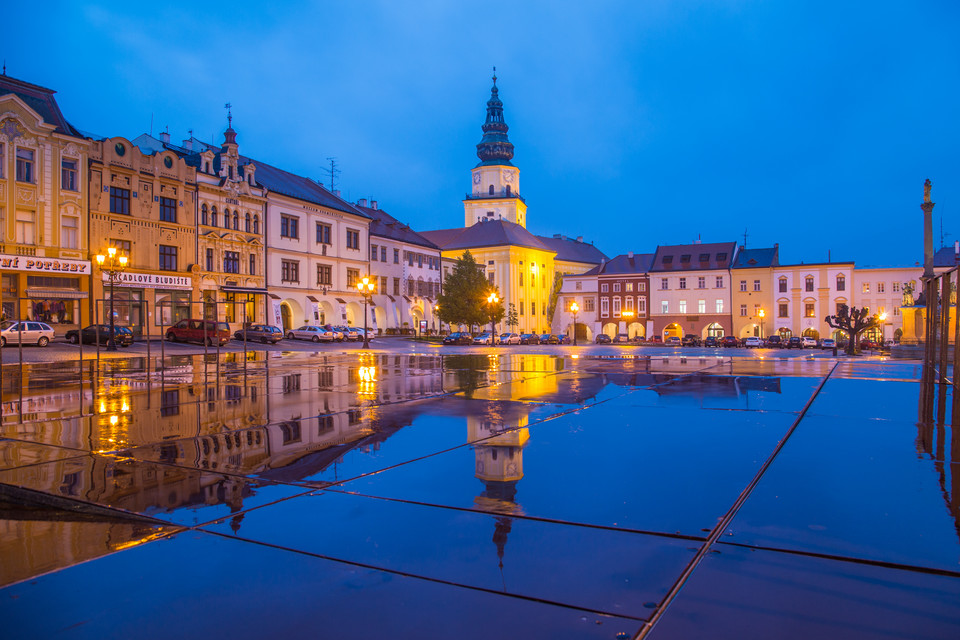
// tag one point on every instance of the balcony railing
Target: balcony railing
(495, 196)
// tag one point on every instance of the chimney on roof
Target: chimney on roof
(557, 236)
(579, 238)
(165, 137)
(362, 202)
(956, 251)
(373, 204)
(630, 254)
(337, 193)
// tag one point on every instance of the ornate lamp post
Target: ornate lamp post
(761, 313)
(492, 299)
(883, 318)
(574, 308)
(366, 286)
(113, 265)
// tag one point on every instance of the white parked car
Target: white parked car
(828, 343)
(360, 331)
(310, 332)
(809, 342)
(508, 338)
(38, 333)
(753, 342)
(483, 338)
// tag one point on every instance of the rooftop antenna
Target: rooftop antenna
(744, 238)
(190, 131)
(4, 66)
(333, 172)
(228, 107)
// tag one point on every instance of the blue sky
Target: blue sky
(812, 124)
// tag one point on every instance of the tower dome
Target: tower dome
(495, 148)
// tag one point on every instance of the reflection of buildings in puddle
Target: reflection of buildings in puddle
(931, 444)
(705, 385)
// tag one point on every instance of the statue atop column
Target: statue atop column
(926, 190)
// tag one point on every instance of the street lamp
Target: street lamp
(574, 307)
(883, 318)
(761, 313)
(492, 299)
(113, 265)
(366, 286)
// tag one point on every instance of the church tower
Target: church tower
(495, 194)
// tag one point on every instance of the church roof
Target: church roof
(694, 257)
(41, 100)
(573, 250)
(383, 225)
(495, 233)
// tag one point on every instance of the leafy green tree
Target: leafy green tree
(464, 298)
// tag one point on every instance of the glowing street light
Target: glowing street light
(366, 286)
(883, 318)
(761, 313)
(492, 300)
(113, 265)
(574, 308)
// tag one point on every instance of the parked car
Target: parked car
(337, 334)
(655, 339)
(549, 338)
(100, 333)
(690, 340)
(350, 334)
(207, 332)
(483, 338)
(828, 343)
(30, 332)
(509, 338)
(458, 337)
(603, 338)
(564, 338)
(730, 341)
(795, 343)
(621, 338)
(809, 343)
(261, 333)
(711, 341)
(310, 332)
(752, 342)
(361, 331)
(868, 344)
(529, 338)
(672, 341)
(774, 342)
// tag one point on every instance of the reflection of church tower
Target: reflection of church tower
(496, 182)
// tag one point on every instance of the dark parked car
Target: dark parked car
(549, 338)
(90, 334)
(730, 341)
(458, 337)
(564, 339)
(603, 338)
(207, 332)
(711, 341)
(672, 341)
(690, 340)
(621, 338)
(529, 338)
(795, 343)
(774, 342)
(261, 333)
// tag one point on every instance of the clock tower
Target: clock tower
(495, 191)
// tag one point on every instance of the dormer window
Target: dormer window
(705, 257)
(685, 258)
(720, 257)
(667, 260)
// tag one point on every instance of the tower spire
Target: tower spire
(495, 148)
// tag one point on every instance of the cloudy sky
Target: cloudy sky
(809, 124)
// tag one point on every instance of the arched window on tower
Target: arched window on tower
(491, 189)
(246, 223)
(508, 189)
(204, 215)
(256, 223)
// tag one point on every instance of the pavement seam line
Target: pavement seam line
(727, 518)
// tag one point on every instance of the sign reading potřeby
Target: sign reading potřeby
(43, 265)
(152, 280)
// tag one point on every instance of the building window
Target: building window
(353, 239)
(604, 287)
(719, 305)
(353, 276)
(396, 256)
(25, 228)
(642, 287)
(629, 286)
(664, 282)
(231, 262)
(168, 210)
(289, 227)
(25, 165)
(616, 287)
(383, 285)
(324, 275)
(880, 287)
(604, 307)
(168, 258)
(743, 285)
(628, 303)
(373, 252)
(68, 175)
(589, 305)
(253, 264)
(701, 282)
(866, 287)
(683, 283)
(664, 306)
(719, 282)
(683, 306)
(226, 218)
(120, 201)
(236, 220)
(841, 283)
(289, 271)
(204, 215)
(701, 306)
(896, 288)
(383, 254)
(616, 307)
(209, 259)
(213, 216)
(490, 276)
(246, 223)
(3, 160)
(783, 312)
(808, 310)
(756, 285)
(808, 283)
(256, 223)
(123, 246)
(323, 233)
(642, 306)
(396, 286)
(743, 311)
(783, 285)
(70, 232)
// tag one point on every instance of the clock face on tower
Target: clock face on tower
(476, 178)
(507, 175)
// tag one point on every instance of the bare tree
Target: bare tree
(853, 322)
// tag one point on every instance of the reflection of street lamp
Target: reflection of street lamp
(883, 318)
(366, 286)
(761, 313)
(112, 265)
(492, 299)
(574, 307)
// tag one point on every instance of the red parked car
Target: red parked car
(206, 332)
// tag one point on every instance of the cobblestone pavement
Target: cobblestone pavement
(420, 491)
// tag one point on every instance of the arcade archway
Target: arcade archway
(671, 330)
